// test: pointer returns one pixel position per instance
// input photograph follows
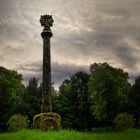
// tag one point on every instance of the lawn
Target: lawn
(132, 134)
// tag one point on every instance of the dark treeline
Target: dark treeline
(83, 100)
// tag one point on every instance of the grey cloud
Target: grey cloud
(60, 72)
(1, 57)
(84, 32)
(126, 57)
(117, 21)
(32, 67)
(111, 21)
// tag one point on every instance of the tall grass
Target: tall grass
(132, 134)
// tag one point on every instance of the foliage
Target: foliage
(10, 85)
(95, 99)
(73, 102)
(134, 100)
(62, 104)
(31, 100)
(108, 87)
(46, 121)
(123, 121)
(17, 122)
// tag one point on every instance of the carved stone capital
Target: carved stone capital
(47, 22)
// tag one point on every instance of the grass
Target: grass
(132, 134)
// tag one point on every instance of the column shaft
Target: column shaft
(46, 92)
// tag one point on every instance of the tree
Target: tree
(134, 100)
(73, 102)
(62, 104)
(79, 87)
(10, 84)
(31, 100)
(108, 87)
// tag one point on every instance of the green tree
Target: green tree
(108, 87)
(31, 100)
(62, 104)
(18, 104)
(74, 102)
(10, 84)
(79, 87)
(134, 100)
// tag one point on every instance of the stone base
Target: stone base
(46, 121)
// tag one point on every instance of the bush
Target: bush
(123, 121)
(17, 122)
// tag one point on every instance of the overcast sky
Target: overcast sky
(84, 32)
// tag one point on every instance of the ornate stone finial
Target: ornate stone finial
(47, 22)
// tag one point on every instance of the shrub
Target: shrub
(123, 121)
(17, 122)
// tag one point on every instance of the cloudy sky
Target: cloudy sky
(84, 32)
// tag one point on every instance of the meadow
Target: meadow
(131, 134)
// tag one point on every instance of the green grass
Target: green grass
(132, 134)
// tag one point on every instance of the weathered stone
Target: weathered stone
(47, 22)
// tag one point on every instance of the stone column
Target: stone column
(46, 21)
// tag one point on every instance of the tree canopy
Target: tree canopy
(83, 100)
(10, 84)
(73, 101)
(108, 87)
